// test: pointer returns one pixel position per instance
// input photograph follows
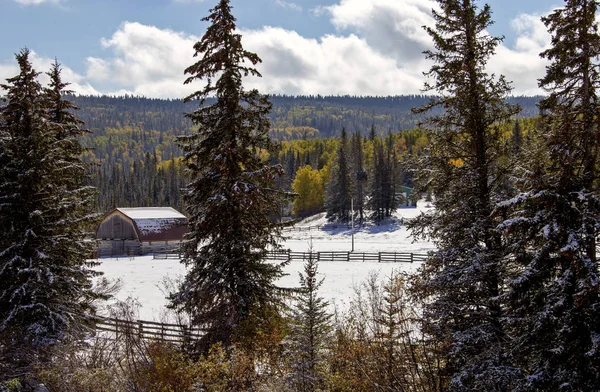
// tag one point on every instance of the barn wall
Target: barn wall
(119, 247)
(159, 246)
(117, 227)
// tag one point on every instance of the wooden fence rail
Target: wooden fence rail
(148, 330)
(173, 254)
(286, 255)
(321, 227)
(379, 257)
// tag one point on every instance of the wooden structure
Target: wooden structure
(137, 231)
(379, 257)
(116, 329)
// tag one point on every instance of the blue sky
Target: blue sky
(359, 47)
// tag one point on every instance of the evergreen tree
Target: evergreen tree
(46, 296)
(465, 277)
(360, 174)
(378, 185)
(231, 196)
(382, 189)
(552, 225)
(310, 331)
(517, 137)
(339, 192)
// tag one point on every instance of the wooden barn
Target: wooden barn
(137, 231)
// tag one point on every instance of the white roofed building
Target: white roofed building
(135, 231)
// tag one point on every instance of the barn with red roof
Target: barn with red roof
(135, 231)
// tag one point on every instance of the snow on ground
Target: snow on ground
(143, 277)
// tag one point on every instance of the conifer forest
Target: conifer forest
(508, 301)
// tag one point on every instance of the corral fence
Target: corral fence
(379, 257)
(167, 254)
(327, 226)
(287, 255)
(148, 330)
(319, 227)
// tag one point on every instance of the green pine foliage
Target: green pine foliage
(310, 332)
(339, 188)
(383, 200)
(552, 225)
(359, 173)
(46, 297)
(464, 171)
(230, 198)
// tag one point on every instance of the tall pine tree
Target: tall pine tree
(465, 277)
(231, 195)
(339, 188)
(46, 296)
(359, 173)
(552, 225)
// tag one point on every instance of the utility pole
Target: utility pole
(352, 220)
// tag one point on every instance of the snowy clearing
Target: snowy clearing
(143, 277)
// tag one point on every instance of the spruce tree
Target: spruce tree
(382, 188)
(339, 188)
(231, 196)
(310, 331)
(517, 137)
(360, 174)
(552, 225)
(377, 186)
(45, 296)
(464, 277)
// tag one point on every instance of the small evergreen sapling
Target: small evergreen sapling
(310, 332)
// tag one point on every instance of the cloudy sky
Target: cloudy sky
(356, 47)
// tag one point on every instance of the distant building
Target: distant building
(136, 231)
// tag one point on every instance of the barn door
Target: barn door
(118, 247)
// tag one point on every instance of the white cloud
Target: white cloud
(7, 70)
(150, 61)
(393, 27)
(293, 64)
(145, 61)
(522, 63)
(377, 50)
(288, 5)
(41, 64)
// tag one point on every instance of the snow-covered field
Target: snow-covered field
(143, 277)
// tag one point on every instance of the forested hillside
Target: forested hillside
(291, 117)
(133, 139)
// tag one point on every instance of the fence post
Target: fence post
(140, 329)
(411, 257)
(379, 257)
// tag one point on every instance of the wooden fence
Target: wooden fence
(148, 330)
(379, 257)
(319, 227)
(287, 255)
(173, 254)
